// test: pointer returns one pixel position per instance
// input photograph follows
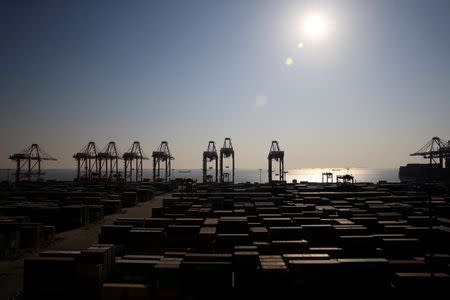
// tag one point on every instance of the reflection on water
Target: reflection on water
(360, 174)
(302, 174)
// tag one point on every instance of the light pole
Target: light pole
(260, 178)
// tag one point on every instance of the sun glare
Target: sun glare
(314, 26)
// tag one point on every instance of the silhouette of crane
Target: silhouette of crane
(208, 156)
(436, 150)
(134, 154)
(87, 165)
(226, 151)
(275, 154)
(162, 155)
(28, 162)
(345, 179)
(328, 176)
(108, 162)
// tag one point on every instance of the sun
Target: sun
(314, 26)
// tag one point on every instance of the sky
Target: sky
(370, 90)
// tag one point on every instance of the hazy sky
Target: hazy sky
(372, 89)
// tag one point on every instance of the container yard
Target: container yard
(103, 236)
(210, 241)
(43, 216)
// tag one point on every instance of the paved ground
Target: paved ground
(11, 271)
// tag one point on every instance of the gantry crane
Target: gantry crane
(276, 154)
(446, 154)
(108, 162)
(162, 154)
(436, 150)
(210, 155)
(345, 179)
(227, 151)
(87, 164)
(134, 154)
(28, 162)
(328, 176)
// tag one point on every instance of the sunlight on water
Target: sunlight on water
(251, 175)
(360, 174)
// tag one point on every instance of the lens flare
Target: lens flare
(289, 61)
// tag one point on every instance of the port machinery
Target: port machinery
(345, 179)
(108, 162)
(87, 163)
(275, 154)
(210, 156)
(437, 151)
(28, 162)
(327, 177)
(135, 155)
(227, 151)
(162, 155)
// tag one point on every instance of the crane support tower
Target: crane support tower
(162, 155)
(227, 151)
(275, 154)
(28, 162)
(436, 150)
(108, 162)
(448, 155)
(210, 155)
(87, 164)
(135, 155)
(327, 177)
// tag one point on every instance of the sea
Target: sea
(245, 175)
